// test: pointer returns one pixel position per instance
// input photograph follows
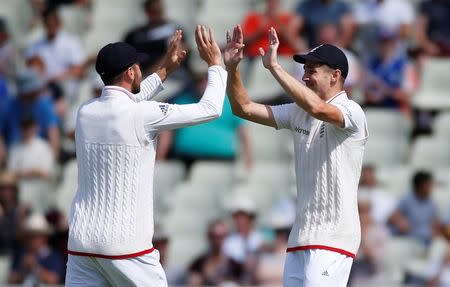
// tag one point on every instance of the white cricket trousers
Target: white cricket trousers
(145, 270)
(316, 268)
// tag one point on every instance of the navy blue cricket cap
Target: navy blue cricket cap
(328, 55)
(115, 58)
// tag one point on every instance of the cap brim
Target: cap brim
(302, 58)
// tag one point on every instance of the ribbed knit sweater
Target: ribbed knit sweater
(112, 212)
(328, 166)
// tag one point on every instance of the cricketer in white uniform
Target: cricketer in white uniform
(111, 218)
(329, 132)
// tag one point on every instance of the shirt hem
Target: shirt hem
(124, 256)
(323, 247)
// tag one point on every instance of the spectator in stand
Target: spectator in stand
(311, 14)
(153, 38)
(417, 214)
(256, 29)
(270, 268)
(221, 139)
(12, 213)
(382, 204)
(32, 161)
(214, 267)
(367, 268)
(63, 56)
(35, 262)
(433, 27)
(385, 77)
(328, 34)
(373, 15)
(31, 102)
(32, 158)
(61, 52)
(7, 53)
(393, 15)
(245, 242)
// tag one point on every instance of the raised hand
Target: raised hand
(234, 51)
(207, 46)
(175, 54)
(269, 58)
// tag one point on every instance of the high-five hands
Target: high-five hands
(207, 46)
(234, 51)
(269, 57)
(175, 54)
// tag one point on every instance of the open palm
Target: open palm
(234, 52)
(269, 57)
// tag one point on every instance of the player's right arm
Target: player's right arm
(152, 85)
(241, 104)
(158, 117)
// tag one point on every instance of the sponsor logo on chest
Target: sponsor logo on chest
(302, 131)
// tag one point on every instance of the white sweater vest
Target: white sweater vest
(328, 166)
(112, 212)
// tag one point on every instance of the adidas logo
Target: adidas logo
(325, 273)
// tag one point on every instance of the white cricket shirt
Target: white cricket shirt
(328, 162)
(112, 212)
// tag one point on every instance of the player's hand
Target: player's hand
(234, 51)
(207, 46)
(175, 54)
(269, 57)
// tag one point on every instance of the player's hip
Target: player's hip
(144, 270)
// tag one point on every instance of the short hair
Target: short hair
(49, 12)
(27, 121)
(149, 3)
(420, 178)
(113, 80)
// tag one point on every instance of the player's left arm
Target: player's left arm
(302, 95)
(152, 85)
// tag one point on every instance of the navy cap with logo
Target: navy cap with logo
(115, 58)
(328, 55)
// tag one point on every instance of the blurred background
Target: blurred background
(224, 194)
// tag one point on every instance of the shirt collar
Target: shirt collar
(116, 90)
(341, 93)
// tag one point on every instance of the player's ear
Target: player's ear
(335, 76)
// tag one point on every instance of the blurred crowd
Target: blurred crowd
(43, 82)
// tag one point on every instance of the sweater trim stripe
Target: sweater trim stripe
(333, 249)
(125, 256)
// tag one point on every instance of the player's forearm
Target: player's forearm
(214, 95)
(302, 95)
(150, 87)
(237, 94)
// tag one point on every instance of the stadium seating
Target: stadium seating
(385, 151)
(395, 179)
(269, 144)
(430, 152)
(4, 268)
(221, 15)
(168, 174)
(68, 186)
(398, 252)
(434, 86)
(441, 126)
(388, 123)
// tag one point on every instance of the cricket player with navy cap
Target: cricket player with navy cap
(330, 133)
(111, 219)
